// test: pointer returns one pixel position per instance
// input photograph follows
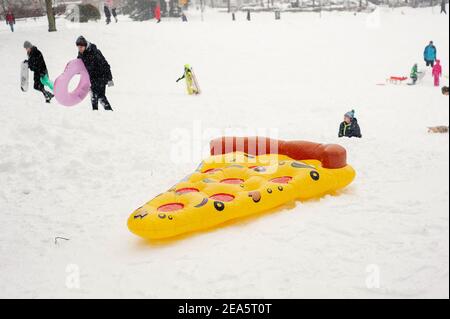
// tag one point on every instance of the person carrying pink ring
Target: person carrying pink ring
(99, 72)
(437, 72)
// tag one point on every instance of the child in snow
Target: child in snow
(430, 54)
(190, 82)
(109, 9)
(445, 90)
(437, 72)
(37, 65)
(10, 20)
(183, 17)
(158, 13)
(350, 127)
(99, 72)
(414, 74)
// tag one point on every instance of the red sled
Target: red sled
(394, 80)
(397, 79)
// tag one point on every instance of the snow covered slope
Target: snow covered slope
(76, 174)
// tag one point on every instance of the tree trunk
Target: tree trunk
(4, 6)
(50, 16)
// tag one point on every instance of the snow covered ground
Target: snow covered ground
(72, 173)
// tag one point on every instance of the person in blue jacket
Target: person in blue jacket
(430, 54)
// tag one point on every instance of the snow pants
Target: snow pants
(38, 86)
(437, 81)
(108, 13)
(98, 94)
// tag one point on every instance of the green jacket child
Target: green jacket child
(414, 73)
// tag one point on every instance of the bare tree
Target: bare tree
(4, 5)
(50, 16)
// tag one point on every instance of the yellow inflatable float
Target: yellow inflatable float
(243, 176)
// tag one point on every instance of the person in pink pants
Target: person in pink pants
(437, 72)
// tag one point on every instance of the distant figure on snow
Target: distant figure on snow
(158, 13)
(191, 81)
(37, 65)
(444, 6)
(350, 127)
(437, 72)
(99, 72)
(430, 54)
(10, 20)
(109, 9)
(414, 74)
(183, 17)
(445, 90)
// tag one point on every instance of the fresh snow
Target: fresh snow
(73, 173)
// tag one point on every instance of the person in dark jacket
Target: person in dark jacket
(107, 14)
(36, 63)
(99, 72)
(444, 6)
(110, 9)
(430, 54)
(350, 127)
(10, 20)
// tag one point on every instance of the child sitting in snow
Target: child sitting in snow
(350, 127)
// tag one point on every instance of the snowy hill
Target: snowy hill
(76, 174)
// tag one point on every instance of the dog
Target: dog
(438, 129)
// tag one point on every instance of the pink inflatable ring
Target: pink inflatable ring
(61, 88)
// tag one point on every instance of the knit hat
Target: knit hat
(27, 45)
(81, 42)
(350, 114)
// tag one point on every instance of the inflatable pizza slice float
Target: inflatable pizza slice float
(243, 176)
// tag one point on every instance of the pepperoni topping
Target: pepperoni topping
(222, 197)
(232, 181)
(212, 170)
(186, 190)
(281, 180)
(170, 207)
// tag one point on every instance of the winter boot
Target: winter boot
(104, 101)
(94, 101)
(48, 96)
